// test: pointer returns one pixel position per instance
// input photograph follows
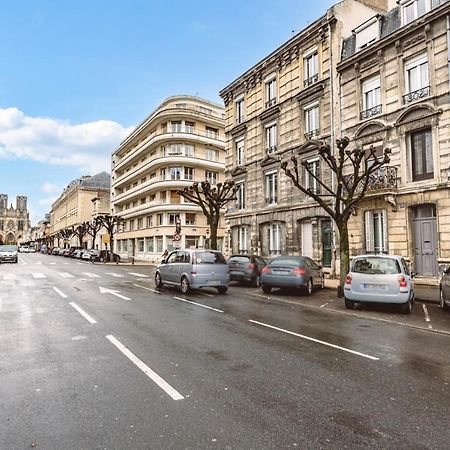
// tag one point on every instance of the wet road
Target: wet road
(92, 357)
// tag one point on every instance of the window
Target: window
(188, 173)
(376, 231)
(159, 244)
(212, 155)
(159, 219)
(134, 204)
(140, 224)
(143, 180)
(175, 198)
(371, 97)
(311, 65)
(312, 120)
(150, 245)
(417, 80)
(143, 200)
(271, 138)
(212, 133)
(240, 152)
(131, 225)
(172, 218)
(242, 240)
(125, 245)
(211, 176)
(192, 242)
(189, 127)
(152, 197)
(175, 126)
(311, 182)
(367, 33)
(149, 221)
(411, 10)
(271, 91)
(189, 219)
(271, 188)
(240, 109)
(422, 155)
(169, 243)
(119, 245)
(163, 174)
(163, 196)
(275, 239)
(240, 195)
(140, 245)
(175, 173)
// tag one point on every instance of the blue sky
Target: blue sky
(75, 77)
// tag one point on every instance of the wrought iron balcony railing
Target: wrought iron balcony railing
(240, 119)
(271, 102)
(371, 112)
(271, 149)
(383, 178)
(312, 134)
(271, 200)
(311, 80)
(416, 95)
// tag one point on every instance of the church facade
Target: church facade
(14, 222)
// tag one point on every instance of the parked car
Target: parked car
(104, 255)
(61, 251)
(55, 251)
(298, 272)
(77, 254)
(444, 290)
(246, 268)
(23, 249)
(86, 255)
(379, 279)
(193, 269)
(8, 253)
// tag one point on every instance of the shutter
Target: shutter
(368, 219)
(385, 232)
(307, 241)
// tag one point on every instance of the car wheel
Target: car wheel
(267, 289)
(309, 287)
(322, 282)
(222, 289)
(158, 281)
(257, 281)
(101, 259)
(349, 304)
(442, 303)
(406, 307)
(184, 285)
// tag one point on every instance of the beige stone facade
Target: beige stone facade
(395, 94)
(14, 222)
(182, 141)
(286, 104)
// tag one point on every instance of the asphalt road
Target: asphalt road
(93, 358)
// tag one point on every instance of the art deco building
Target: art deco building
(395, 93)
(182, 141)
(287, 104)
(14, 222)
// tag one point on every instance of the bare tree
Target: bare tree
(80, 231)
(65, 234)
(211, 200)
(93, 228)
(111, 224)
(353, 170)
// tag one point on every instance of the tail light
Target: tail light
(251, 266)
(193, 273)
(348, 279)
(266, 269)
(299, 271)
(402, 281)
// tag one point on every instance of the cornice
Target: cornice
(311, 90)
(270, 113)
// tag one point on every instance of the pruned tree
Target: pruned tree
(211, 200)
(93, 228)
(111, 224)
(80, 231)
(353, 171)
(65, 234)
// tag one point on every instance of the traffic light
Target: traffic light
(177, 225)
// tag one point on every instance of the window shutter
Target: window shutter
(385, 231)
(368, 219)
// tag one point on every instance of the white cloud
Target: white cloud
(56, 142)
(50, 187)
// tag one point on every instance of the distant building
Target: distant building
(14, 222)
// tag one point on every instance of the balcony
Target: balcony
(271, 102)
(271, 149)
(312, 134)
(311, 80)
(371, 112)
(271, 200)
(383, 178)
(416, 95)
(240, 119)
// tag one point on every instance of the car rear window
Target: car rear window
(293, 262)
(8, 248)
(376, 265)
(208, 258)
(239, 259)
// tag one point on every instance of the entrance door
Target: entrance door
(307, 239)
(327, 243)
(425, 242)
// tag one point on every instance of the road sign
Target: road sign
(105, 238)
(176, 237)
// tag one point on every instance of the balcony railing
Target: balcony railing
(271, 149)
(371, 112)
(311, 80)
(271, 102)
(240, 119)
(416, 95)
(312, 134)
(271, 200)
(383, 178)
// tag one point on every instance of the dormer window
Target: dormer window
(412, 9)
(367, 33)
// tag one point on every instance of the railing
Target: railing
(383, 178)
(311, 80)
(371, 112)
(311, 134)
(271, 102)
(271, 149)
(271, 200)
(416, 95)
(240, 119)
(240, 205)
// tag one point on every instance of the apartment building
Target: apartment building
(287, 104)
(74, 206)
(395, 88)
(182, 141)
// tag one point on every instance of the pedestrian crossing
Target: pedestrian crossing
(66, 275)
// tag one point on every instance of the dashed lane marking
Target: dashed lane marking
(139, 275)
(59, 292)
(113, 274)
(147, 289)
(427, 316)
(198, 304)
(38, 275)
(91, 275)
(83, 313)
(65, 275)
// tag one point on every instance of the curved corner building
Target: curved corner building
(182, 141)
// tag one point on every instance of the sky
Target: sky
(77, 76)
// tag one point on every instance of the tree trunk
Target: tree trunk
(111, 247)
(344, 254)
(213, 239)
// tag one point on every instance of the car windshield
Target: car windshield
(239, 259)
(290, 262)
(208, 258)
(8, 248)
(376, 265)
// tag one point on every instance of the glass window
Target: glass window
(414, 9)
(240, 195)
(212, 155)
(212, 133)
(271, 92)
(376, 231)
(240, 152)
(314, 168)
(188, 173)
(368, 34)
(140, 224)
(422, 155)
(159, 244)
(371, 93)
(376, 265)
(189, 127)
(312, 119)
(242, 239)
(172, 218)
(149, 221)
(205, 257)
(271, 188)
(159, 219)
(271, 138)
(192, 241)
(175, 126)
(169, 243)
(150, 245)
(190, 219)
(240, 112)
(274, 239)
(311, 65)
(140, 245)
(211, 176)
(175, 173)
(417, 74)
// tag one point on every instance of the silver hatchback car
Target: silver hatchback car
(192, 269)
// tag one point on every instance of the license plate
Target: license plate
(374, 286)
(212, 283)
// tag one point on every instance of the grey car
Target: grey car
(246, 268)
(292, 272)
(193, 269)
(8, 253)
(444, 290)
(379, 279)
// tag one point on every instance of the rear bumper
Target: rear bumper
(204, 281)
(280, 281)
(240, 276)
(372, 297)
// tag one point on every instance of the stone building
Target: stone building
(181, 141)
(285, 104)
(395, 94)
(14, 222)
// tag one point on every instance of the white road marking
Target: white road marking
(325, 304)
(146, 288)
(140, 275)
(38, 275)
(262, 296)
(59, 292)
(427, 315)
(147, 370)
(113, 292)
(113, 274)
(9, 276)
(38, 263)
(52, 263)
(91, 275)
(66, 264)
(328, 344)
(198, 304)
(21, 260)
(83, 313)
(65, 275)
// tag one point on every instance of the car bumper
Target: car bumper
(8, 259)
(401, 297)
(240, 276)
(200, 282)
(280, 281)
